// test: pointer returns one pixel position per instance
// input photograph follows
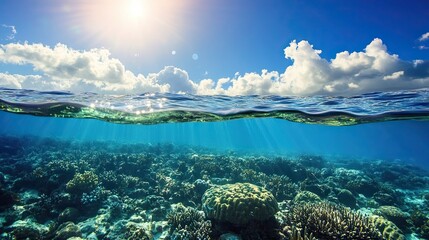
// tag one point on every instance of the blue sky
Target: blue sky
(211, 40)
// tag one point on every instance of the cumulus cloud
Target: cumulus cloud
(394, 75)
(174, 79)
(20, 81)
(63, 68)
(424, 37)
(373, 69)
(8, 32)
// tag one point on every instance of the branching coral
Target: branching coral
(82, 182)
(282, 187)
(330, 221)
(135, 232)
(295, 234)
(188, 223)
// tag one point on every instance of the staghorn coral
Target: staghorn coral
(82, 182)
(250, 175)
(282, 187)
(188, 223)
(295, 234)
(331, 221)
(239, 203)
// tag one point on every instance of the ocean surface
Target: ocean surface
(386, 125)
(380, 136)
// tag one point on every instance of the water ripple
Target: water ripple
(154, 108)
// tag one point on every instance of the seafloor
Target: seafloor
(52, 189)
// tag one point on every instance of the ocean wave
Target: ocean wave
(156, 108)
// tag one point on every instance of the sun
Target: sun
(136, 9)
(132, 25)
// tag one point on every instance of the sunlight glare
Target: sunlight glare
(136, 9)
(131, 25)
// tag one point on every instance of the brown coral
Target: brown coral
(331, 221)
(239, 203)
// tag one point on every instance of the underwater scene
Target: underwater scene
(214, 120)
(169, 166)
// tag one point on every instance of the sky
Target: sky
(231, 47)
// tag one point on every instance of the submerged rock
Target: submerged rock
(7, 198)
(67, 230)
(27, 229)
(346, 198)
(229, 236)
(384, 198)
(69, 214)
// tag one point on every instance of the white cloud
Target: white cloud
(63, 68)
(346, 74)
(424, 37)
(9, 33)
(176, 79)
(19, 81)
(394, 75)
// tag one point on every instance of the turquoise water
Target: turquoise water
(398, 140)
(314, 125)
(325, 145)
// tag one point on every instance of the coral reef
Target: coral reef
(331, 221)
(136, 232)
(66, 231)
(82, 183)
(97, 190)
(188, 223)
(306, 196)
(346, 198)
(395, 215)
(388, 229)
(424, 230)
(295, 234)
(239, 203)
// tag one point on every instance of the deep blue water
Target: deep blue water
(376, 138)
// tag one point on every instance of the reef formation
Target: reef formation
(54, 189)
